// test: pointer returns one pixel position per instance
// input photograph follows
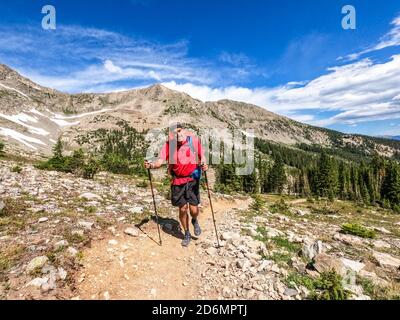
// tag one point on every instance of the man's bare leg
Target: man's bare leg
(194, 212)
(184, 218)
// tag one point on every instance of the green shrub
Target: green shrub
(329, 286)
(286, 244)
(258, 202)
(1, 148)
(300, 280)
(372, 290)
(90, 169)
(115, 163)
(77, 163)
(358, 230)
(280, 207)
(280, 257)
(16, 169)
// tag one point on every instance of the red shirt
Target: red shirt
(184, 161)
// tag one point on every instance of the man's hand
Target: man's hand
(148, 165)
(204, 167)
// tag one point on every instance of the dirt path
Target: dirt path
(125, 267)
(297, 201)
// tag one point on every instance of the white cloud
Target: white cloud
(111, 67)
(236, 59)
(357, 92)
(390, 39)
(78, 59)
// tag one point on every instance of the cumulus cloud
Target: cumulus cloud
(357, 92)
(76, 59)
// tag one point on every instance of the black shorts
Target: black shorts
(186, 193)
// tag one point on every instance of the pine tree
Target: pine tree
(391, 185)
(277, 176)
(327, 176)
(1, 147)
(58, 149)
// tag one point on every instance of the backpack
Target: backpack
(196, 174)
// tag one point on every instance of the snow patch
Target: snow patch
(63, 123)
(21, 137)
(57, 116)
(21, 119)
(37, 113)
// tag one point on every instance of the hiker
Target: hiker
(185, 167)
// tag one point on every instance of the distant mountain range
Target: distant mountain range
(397, 138)
(32, 117)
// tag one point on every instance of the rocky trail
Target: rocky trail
(123, 266)
(63, 237)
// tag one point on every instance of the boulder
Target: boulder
(211, 251)
(243, 264)
(90, 196)
(326, 263)
(299, 212)
(85, 225)
(72, 251)
(381, 244)
(78, 232)
(253, 256)
(386, 260)
(2, 205)
(60, 244)
(230, 236)
(38, 282)
(136, 210)
(348, 239)
(43, 219)
(272, 233)
(36, 263)
(353, 265)
(310, 250)
(382, 229)
(133, 232)
(62, 274)
(371, 276)
(290, 292)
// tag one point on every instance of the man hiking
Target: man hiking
(184, 155)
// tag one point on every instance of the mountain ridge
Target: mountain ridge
(32, 117)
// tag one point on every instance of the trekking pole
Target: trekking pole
(155, 206)
(212, 210)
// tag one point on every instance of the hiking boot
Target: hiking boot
(196, 226)
(186, 239)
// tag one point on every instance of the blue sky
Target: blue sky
(291, 57)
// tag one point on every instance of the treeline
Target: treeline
(119, 151)
(78, 163)
(369, 180)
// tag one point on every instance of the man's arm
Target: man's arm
(164, 156)
(153, 165)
